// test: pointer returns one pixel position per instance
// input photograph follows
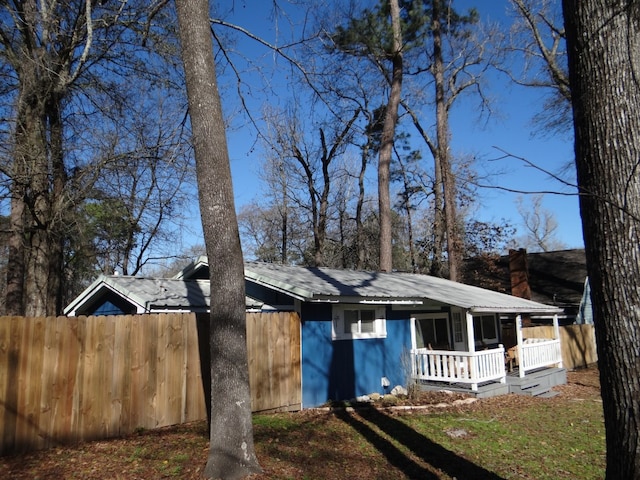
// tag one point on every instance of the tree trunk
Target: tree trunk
(603, 40)
(28, 271)
(386, 143)
(438, 220)
(59, 210)
(35, 261)
(443, 150)
(360, 242)
(16, 252)
(231, 449)
(46, 212)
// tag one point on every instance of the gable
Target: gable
(107, 302)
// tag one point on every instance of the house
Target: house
(365, 332)
(126, 295)
(557, 278)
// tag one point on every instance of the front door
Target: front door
(431, 330)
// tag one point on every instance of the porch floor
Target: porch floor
(536, 383)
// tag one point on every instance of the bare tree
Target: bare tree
(231, 450)
(541, 226)
(604, 59)
(309, 163)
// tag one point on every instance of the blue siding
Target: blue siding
(344, 369)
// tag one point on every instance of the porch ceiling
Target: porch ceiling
(325, 284)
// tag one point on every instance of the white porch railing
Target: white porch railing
(538, 353)
(458, 367)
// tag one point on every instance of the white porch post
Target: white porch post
(519, 351)
(556, 334)
(471, 348)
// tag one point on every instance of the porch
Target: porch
(538, 367)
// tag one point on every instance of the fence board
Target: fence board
(64, 380)
(8, 378)
(194, 396)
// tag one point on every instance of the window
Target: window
(484, 329)
(432, 333)
(458, 336)
(357, 322)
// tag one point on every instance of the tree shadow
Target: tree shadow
(426, 450)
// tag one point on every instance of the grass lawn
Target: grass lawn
(508, 437)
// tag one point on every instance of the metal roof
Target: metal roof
(153, 294)
(312, 285)
(326, 284)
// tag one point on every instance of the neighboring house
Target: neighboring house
(365, 332)
(557, 278)
(125, 295)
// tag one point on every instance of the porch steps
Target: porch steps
(487, 390)
(538, 383)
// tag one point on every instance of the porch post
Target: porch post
(471, 348)
(556, 334)
(471, 339)
(519, 338)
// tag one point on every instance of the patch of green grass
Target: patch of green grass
(545, 440)
(275, 421)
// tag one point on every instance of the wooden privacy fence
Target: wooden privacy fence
(70, 379)
(577, 343)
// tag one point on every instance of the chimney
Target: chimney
(519, 273)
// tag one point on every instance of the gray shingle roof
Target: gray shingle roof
(325, 284)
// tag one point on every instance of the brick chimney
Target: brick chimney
(519, 273)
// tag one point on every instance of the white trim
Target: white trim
(410, 302)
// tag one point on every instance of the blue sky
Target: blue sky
(509, 130)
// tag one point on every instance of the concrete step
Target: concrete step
(549, 394)
(536, 391)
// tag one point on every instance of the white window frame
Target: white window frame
(338, 327)
(429, 316)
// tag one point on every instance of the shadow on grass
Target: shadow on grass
(438, 457)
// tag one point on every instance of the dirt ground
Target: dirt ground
(181, 451)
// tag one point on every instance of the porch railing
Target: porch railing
(538, 353)
(458, 367)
